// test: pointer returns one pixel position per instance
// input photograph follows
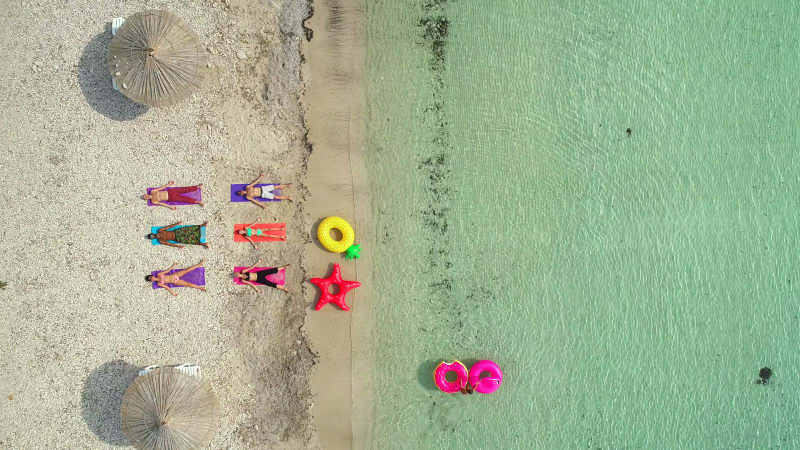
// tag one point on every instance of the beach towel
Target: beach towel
(277, 278)
(197, 195)
(241, 187)
(154, 230)
(241, 226)
(197, 276)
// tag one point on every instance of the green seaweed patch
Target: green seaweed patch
(430, 4)
(435, 31)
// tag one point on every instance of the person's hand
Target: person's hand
(170, 183)
(181, 246)
(172, 207)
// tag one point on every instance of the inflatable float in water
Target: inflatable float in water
(440, 376)
(483, 385)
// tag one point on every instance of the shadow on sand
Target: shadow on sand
(94, 79)
(102, 398)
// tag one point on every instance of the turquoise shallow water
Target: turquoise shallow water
(631, 285)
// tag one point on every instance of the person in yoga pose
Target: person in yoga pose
(189, 235)
(253, 279)
(266, 192)
(161, 194)
(163, 280)
(248, 232)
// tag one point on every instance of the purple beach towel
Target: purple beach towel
(197, 276)
(240, 187)
(197, 195)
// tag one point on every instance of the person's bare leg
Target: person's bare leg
(283, 197)
(188, 284)
(192, 285)
(255, 246)
(281, 287)
(188, 269)
(272, 236)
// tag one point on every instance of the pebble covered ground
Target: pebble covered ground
(77, 319)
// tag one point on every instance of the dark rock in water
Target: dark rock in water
(628, 131)
(764, 375)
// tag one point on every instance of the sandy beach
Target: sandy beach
(77, 319)
(337, 182)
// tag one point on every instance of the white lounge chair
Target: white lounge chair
(116, 22)
(192, 370)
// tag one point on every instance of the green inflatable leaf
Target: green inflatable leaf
(353, 252)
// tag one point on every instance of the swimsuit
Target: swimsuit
(257, 232)
(174, 194)
(261, 276)
(266, 192)
(189, 235)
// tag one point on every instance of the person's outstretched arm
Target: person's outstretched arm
(261, 175)
(170, 268)
(251, 242)
(252, 267)
(252, 285)
(164, 186)
(254, 222)
(169, 290)
(255, 201)
(158, 203)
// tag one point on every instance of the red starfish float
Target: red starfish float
(338, 298)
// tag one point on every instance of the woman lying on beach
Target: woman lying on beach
(253, 279)
(247, 232)
(159, 195)
(189, 235)
(163, 280)
(266, 192)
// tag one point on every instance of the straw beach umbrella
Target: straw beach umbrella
(156, 59)
(167, 410)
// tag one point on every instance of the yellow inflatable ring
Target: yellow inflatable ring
(324, 234)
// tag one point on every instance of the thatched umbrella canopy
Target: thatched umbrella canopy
(166, 410)
(156, 59)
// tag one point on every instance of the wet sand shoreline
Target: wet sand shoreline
(337, 182)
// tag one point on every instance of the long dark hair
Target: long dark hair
(148, 278)
(152, 236)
